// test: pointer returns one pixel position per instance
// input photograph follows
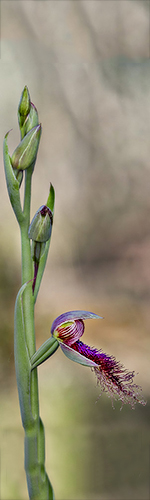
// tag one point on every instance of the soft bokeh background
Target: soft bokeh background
(87, 67)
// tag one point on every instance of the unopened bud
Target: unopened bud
(41, 225)
(40, 232)
(24, 106)
(25, 154)
(30, 121)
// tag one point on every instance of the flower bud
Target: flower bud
(27, 113)
(24, 106)
(41, 225)
(39, 256)
(30, 121)
(40, 232)
(25, 154)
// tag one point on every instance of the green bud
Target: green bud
(24, 106)
(30, 121)
(27, 113)
(40, 250)
(41, 225)
(25, 154)
(40, 233)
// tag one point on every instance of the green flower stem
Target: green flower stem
(28, 313)
(28, 300)
(27, 194)
(23, 159)
(39, 486)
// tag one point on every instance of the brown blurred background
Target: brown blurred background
(87, 66)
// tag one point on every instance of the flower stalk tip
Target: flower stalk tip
(24, 106)
(27, 113)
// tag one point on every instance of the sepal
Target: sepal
(76, 356)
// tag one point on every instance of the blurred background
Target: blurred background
(87, 66)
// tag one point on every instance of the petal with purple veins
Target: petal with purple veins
(73, 315)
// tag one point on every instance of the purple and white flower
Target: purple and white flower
(111, 374)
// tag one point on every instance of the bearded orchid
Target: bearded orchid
(19, 168)
(67, 329)
(111, 374)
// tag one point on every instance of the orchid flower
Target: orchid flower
(111, 375)
(66, 329)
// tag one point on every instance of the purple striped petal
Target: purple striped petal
(73, 315)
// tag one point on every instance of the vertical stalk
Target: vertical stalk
(28, 299)
(39, 486)
(23, 159)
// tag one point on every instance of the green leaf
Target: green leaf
(51, 198)
(22, 361)
(12, 183)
